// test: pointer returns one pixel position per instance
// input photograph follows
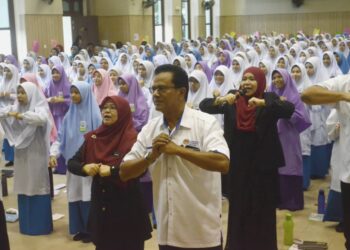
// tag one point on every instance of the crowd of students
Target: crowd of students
(85, 109)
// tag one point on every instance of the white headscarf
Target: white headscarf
(125, 68)
(253, 58)
(333, 69)
(160, 60)
(304, 81)
(236, 77)
(226, 86)
(320, 74)
(149, 73)
(193, 62)
(65, 63)
(55, 60)
(44, 81)
(24, 133)
(10, 86)
(203, 92)
(182, 61)
(32, 64)
(212, 58)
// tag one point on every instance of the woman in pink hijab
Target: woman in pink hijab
(103, 85)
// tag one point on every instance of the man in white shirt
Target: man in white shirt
(336, 92)
(185, 151)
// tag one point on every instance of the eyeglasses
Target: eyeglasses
(111, 108)
(161, 89)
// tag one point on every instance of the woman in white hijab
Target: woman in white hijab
(28, 66)
(123, 63)
(237, 68)
(261, 49)
(198, 88)
(145, 78)
(203, 50)
(8, 86)
(302, 81)
(303, 56)
(253, 57)
(190, 62)
(85, 54)
(320, 145)
(330, 64)
(44, 75)
(160, 60)
(65, 61)
(27, 127)
(266, 67)
(54, 61)
(212, 58)
(106, 63)
(180, 62)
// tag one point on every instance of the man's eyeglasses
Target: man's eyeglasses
(160, 89)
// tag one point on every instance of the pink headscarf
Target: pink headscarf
(105, 89)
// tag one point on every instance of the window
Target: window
(7, 28)
(185, 17)
(158, 21)
(72, 7)
(208, 21)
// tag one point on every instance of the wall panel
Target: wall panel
(333, 22)
(43, 28)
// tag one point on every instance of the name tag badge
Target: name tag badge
(116, 154)
(132, 107)
(83, 126)
(194, 145)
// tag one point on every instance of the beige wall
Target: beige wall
(44, 28)
(39, 7)
(261, 7)
(333, 22)
(42, 22)
(246, 16)
(121, 20)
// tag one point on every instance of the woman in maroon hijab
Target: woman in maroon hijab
(250, 129)
(118, 219)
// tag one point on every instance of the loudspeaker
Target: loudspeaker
(297, 3)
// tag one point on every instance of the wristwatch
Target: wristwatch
(149, 159)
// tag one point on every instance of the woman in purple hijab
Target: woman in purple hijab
(290, 175)
(132, 92)
(203, 66)
(223, 59)
(58, 94)
(11, 59)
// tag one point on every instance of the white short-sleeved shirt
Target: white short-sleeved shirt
(187, 198)
(342, 84)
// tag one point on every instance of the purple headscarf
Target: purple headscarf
(300, 117)
(227, 44)
(227, 61)
(54, 89)
(12, 59)
(136, 99)
(206, 70)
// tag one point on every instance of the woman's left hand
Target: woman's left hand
(105, 171)
(256, 102)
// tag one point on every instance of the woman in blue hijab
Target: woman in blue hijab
(83, 116)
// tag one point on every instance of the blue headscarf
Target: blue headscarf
(148, 58)
(80, 119)
(343, 63)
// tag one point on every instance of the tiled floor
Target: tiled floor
(59, 239)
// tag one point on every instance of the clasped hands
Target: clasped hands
(56, 99)
(163, 144)
(100, 169)
(232, 98)
(5, 94)
(16, 115)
